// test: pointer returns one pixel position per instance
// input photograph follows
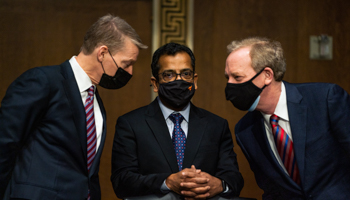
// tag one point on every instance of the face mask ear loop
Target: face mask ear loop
(103, 68)
(257, 74)
(113, 59)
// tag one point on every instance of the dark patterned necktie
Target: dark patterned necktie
(90, 129)
(178, 138)
(285, 149)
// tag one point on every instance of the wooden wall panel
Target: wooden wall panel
(216, 23)
(40, 32)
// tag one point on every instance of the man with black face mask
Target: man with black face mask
(52, 120)
(171, 147)
(296, 137)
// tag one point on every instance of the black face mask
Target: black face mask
(176, 93)
(120, 79)
(243, 95)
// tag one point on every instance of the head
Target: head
(169, 49)
(252, 65)
(263, 53)
(110, 31)
(174, 77)
(110, 49)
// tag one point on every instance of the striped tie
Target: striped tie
(178, 138)
(90, 129)
(285, 149)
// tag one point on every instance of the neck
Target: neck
(91, 67)
(269, 98)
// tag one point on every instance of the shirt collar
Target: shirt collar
(185, 112)
(83, 80)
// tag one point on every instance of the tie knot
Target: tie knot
(274, 119)
(91, 91)
(176, 118)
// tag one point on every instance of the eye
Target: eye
(167, 74)
(238, 78)
(186, 74)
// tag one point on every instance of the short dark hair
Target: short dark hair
(169, 49)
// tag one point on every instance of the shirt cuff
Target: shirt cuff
(164, 187)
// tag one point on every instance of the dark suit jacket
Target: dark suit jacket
(319, 115)
(43, 137)
(143, 154)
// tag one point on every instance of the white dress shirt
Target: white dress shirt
(282, 112)
(84, 83)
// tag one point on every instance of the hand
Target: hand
(174, 180)
(196, 189)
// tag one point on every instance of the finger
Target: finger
(201, 190)
(191, 185)
(198, 180)
(188, 193)
(189, 174)
(202, 193)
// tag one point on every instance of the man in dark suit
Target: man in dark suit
(49, 121)
(154, 153)
(297, 136)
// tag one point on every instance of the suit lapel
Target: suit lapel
(156, 122)
(259, 132)
(73, 95)
(196, 129)
(297, 119)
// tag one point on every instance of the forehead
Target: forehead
(177, 62)
(129, 50)
(239, 61)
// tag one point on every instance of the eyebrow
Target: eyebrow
(130, 61)
(226, 75)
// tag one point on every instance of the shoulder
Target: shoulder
(315, 90)
(316, 87)
(37, 77)
(135, 114)
(247, 121)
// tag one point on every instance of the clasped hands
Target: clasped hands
(193, 183)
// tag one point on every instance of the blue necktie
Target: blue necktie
(178, 138)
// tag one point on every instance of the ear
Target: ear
(101, 51)
(195, 78)
(155, 84)
(269, 75)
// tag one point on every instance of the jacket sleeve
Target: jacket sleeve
(227, 168)
(20, 111)
(126, 178)
(339, 114)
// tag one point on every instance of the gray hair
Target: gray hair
(263, 53)
(110, 31)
